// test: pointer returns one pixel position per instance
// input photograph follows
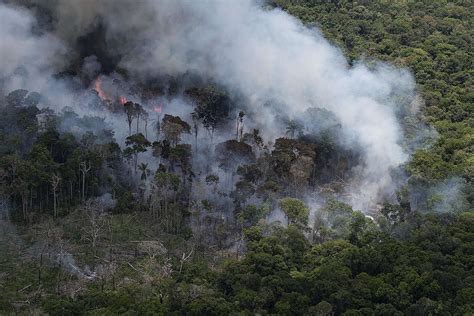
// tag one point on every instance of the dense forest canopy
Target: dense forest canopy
(287, 157)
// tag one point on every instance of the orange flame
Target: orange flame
(103, 96)
(98, 88)
(122, 100)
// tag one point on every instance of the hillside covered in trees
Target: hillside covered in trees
(287, 157)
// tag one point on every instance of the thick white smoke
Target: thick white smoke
(261, 53)
(269, 56)
(26, 59)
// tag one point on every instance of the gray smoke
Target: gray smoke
(262, 54)
(27, 59)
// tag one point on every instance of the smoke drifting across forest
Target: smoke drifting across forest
(268, 62)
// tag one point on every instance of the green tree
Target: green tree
(295, 210)
(137, 144)
(293, 129)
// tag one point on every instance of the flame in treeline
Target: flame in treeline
(103, 96)
(122, 100)
(98, 88)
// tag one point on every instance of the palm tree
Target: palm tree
(145, 118)
(143, 167)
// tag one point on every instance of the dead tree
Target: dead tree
(84, 168)
(153, 248)
(184, 258)
(240, 126)
(145, 118)
(55, 179)
(96, 218)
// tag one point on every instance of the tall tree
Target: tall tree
(84, 167)
(137, 144)
(129, 108)
(212, 107)
(240, 126)
(295, 210)
(173, 127)
(55, 179)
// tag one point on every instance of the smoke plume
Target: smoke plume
(261, 54)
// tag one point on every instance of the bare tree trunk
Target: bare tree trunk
(237, 130)
(84, 169)
(24, 205)
(138, 122)
(55, 212)
(58, 279)
(196, 130)
(136, 162)
(55, 179)
(31, 198)
(212, 136)
(40, 266)
(70, 187)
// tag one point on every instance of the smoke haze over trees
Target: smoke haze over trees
(208, 157)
